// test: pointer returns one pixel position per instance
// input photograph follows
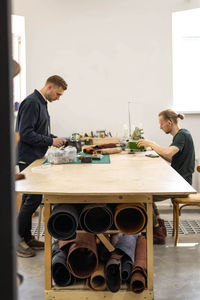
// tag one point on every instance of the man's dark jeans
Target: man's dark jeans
(29, 205)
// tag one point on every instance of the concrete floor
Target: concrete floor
(176, 270)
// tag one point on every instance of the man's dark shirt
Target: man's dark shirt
(184, 160)
(33, 125)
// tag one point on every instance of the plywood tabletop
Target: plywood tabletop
(126, 174)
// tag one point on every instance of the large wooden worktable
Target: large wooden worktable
(127, 179)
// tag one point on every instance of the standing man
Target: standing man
(180, 153)
(33, 125)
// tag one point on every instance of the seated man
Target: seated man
(33, 125)
(180, 153)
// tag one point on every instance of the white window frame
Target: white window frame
(186, 61)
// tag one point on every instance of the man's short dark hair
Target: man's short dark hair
(58, 81)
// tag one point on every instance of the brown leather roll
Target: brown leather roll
(97, 280)
(64, 245)
(82, 259)
(139, 273)
(96, 148)
(96, 218)
(130, 218)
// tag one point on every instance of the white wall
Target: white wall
(110, 52)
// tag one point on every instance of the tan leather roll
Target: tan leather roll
(111, 150)
(97, 280)
(139, 272)
(130, 218)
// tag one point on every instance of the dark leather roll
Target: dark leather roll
(103, 253)
(82, 259)
(96, 218)
(97, 280)
(60, 272)
(126, 269)
(126, 244)
(63, 222)
(138, 281)
(130, 218)
(113, 272)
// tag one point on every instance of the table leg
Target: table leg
(48, 241)
(150, 247)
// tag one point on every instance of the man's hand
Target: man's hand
(143, 143)
(58, 142)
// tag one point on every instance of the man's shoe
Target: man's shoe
(35, 244)
(23, 250)
(161, 223)
(158, 236)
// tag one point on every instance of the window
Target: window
(186, 60)
(18, 45)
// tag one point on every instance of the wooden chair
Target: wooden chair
(191, 200)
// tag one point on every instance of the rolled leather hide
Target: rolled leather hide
(63, 222)
(113, 272)
(82, 258)
(103, 252)
(110, 150)
(97, 280)
(138, 279)
(60, 273)
(96, 218)
(126, 268)
(127, 245)
(130, 218)
(95, 148)
(64, 245)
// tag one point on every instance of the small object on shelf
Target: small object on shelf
(75, 137)
(101, 133)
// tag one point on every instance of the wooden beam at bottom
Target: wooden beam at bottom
(93, 295)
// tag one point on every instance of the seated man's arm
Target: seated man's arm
(166, 152)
